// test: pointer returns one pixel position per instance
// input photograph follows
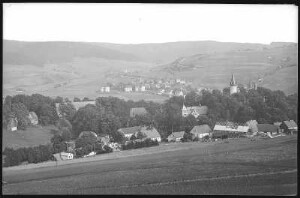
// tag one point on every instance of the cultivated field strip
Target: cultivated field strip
(199, 179)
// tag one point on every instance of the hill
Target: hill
(79, 69)
(159, 53)
(40, 53)
(271, 64)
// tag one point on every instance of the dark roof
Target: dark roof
(130, 130)
(290, 124)
(176, 134)
(267, 128)
(150, 132)
(137, 111)
(201, 129)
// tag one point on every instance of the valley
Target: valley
(71, 69)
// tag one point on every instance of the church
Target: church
(233, 85)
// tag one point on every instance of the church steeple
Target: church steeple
(233, 86)
(232, 82)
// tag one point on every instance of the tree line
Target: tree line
(111, 113)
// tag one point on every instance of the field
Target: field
(231, 167)
(33, 136)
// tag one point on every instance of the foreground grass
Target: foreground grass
(221, 168)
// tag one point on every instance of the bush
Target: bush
(134, 144)
(196, 139)
(36, 154)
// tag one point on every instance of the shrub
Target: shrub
(134, 144)
(32, 155)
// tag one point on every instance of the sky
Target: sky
(149, 23)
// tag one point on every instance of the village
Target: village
(165, 87)
(145, 134)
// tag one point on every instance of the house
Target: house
(143, 88)
(223, 130)
(80, 104)
(157, 86)
(128, 88)
(12, 124)
(176, 136)
(66, 156)
(88, 133)
(151, 133)
(201, 130)
(105, 89)
(128, 132)
(268, 128)
(196, 111)
(289, 127)
(33, 118)
(137, 111)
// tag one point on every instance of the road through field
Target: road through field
(242, 167)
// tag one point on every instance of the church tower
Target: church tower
(233, 86)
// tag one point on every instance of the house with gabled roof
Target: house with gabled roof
(196, 111)
(289, 126)
(176, 136)
(227, 129)
(201, 131)
(151, 133)
(129, 131)
(273, 129)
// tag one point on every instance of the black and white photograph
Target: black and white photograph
(149, 99)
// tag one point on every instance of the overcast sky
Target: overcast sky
(150, 23)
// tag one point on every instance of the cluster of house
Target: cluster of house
(171, 87)
(12, 124)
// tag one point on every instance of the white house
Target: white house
(128, 89)
(66, 156)
(105, 89)
(143, 88)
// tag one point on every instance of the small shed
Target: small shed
(201, 130)
(176, 136)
